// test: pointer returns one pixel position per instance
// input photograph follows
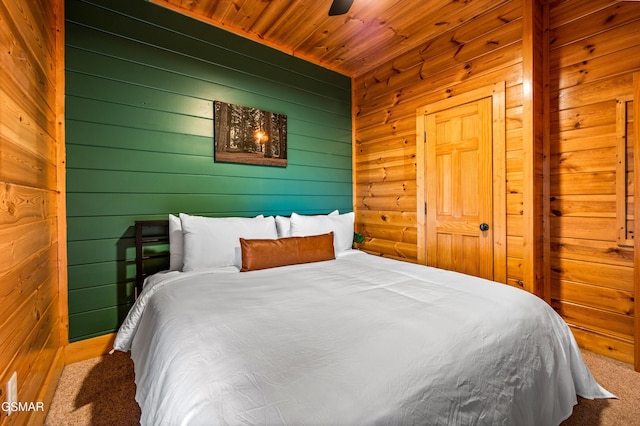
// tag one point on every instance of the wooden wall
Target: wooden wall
(562, 199)
(594, 50)
(141, 81)
(31, 244)
(461, 58)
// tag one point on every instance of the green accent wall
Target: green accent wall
(140, 86)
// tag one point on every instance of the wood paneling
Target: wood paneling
(456, 62)
(31, 36)
(593, 54)
(141, 82)
(368, 36)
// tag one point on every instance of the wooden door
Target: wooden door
(459, 188)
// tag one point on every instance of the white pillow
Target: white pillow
(213, 242)
(341, 225)
(283, 224)
(176, 244)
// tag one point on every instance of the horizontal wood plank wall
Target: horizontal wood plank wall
(141, 81)
(473, 54)
(30, 343)
(594, 50)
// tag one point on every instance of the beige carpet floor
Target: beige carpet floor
(101, 391)
(618, 378)
(98, 391)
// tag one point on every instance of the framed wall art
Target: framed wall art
(249, 135)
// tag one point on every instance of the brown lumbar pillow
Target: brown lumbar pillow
(262, 254)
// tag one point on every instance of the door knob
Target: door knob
(484, 226)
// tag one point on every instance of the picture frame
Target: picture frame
(249, 135)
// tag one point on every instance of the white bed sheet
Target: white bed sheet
(360, 340)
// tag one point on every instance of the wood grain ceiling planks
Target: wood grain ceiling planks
(370, 34)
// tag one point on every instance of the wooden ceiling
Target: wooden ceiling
(370, 34)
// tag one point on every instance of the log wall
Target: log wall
(30, 199)
(485, 50)
(593, 52)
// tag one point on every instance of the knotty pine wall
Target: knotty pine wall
(466, 57)
(560, 149)
(594, 50)
(31, 201)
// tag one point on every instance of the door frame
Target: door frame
(497, 94)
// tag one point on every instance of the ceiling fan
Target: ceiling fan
(340, 7)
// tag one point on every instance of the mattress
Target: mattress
(359, 340)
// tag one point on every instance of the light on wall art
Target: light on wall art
(249, 135)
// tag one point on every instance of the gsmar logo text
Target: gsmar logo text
(10, 407)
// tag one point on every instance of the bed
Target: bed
(259, 337)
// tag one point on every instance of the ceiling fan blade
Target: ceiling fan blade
(340, 7)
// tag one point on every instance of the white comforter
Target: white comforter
(359, 340)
